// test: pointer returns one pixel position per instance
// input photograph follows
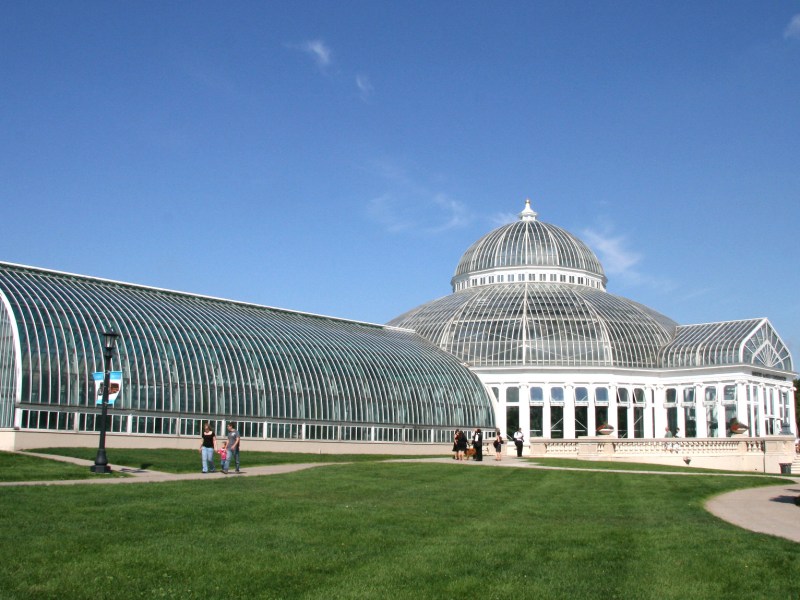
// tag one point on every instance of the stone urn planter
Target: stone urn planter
(738, 428)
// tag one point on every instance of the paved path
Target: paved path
(148, 476)
(769, 509)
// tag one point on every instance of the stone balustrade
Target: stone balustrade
(738, 453)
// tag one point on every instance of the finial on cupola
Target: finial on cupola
(528, 214)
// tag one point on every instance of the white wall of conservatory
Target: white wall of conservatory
(554, 404)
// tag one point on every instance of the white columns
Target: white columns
(681, 417)
(569, 412)
(525, 410)
(647, 419)
(791, 417)
(700, 413)
(660, 418)
(741, 401)
(546, 429)
(612, 409)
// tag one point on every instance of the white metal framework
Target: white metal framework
(188, 358)
(540, 324)
(530, 314)
(752, 341)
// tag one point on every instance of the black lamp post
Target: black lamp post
(101, 462)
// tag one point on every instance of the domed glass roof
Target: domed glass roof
(532, 294)
(542, 324)
(529, 243)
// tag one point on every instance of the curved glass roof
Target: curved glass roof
(532, 324)
(192, 355)
(529, 243)
(751, 341)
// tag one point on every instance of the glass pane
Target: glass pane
(691, 422)
(512, 420)
(622, 422)
(638, 422)
(622, 396)
(730, 418)
(537, 417)
(672, 420)
(711, 419)
(581, 421)
(557, 422)
(600, 415)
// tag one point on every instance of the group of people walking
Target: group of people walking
(466, 447)
(228, 450)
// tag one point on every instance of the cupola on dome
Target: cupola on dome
(528, 250)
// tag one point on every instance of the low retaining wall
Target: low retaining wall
(761, 455)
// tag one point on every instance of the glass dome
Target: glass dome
(533, 324)
(532, 294)
(535, 247)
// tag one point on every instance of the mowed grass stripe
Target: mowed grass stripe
(413, 530)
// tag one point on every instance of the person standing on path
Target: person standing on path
(462, 444)
(207, 448)
(518, 440)
(234, 441)
(498, 447)
(477, 443)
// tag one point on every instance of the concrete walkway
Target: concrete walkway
(147, 476)
(770, 509)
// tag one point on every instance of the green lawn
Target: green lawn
(188, 461)
(18, 467)
(405, 530)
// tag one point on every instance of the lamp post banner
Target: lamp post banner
(114, 386)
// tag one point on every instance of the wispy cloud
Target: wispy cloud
(322, 55)
(455, 213)
(318, 50)
(388, 212)
(792, 30)
(364, 86)
(615, 257)
(411, 207)
(620, 262)
(503, 218)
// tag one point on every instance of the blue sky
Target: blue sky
(339, 157)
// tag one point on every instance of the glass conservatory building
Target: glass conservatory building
(186, 359)
(563, 358)
(529, 338)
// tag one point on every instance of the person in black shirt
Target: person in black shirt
(477, 443)
(207, 448)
